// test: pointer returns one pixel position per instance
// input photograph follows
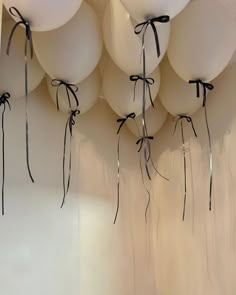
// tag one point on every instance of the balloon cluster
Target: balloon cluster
(199, 41)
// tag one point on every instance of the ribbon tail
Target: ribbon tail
(3, 162)
(63, 165)
(26, 114)
(11, 36)
(118, 180)
(69, 173)
(146, 158)
(74, 95)
(185, 170)
(156, 40)
(145, 133)
(150, 95)
(134, 90)
(148, 193)
(154, 167)
(57, 98)
(204, 96)
(68, 97)
(211, 159)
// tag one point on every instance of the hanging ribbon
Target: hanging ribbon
(148, 83)
(144, 144)
(70, 89)
(3, 102)
(188, 120)
(122, 122)
(142, 28)
(69, 128)
(145, 186)
(145, 141)
(205, 87)
(28, 42)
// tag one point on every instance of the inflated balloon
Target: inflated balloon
(180, 98)
(119, 90)
(155, 118)
(12, 77)
(233, 59)
(125, 47)
(202, 40)
(88, 91)
(98, 5)
(73, 51)
(45, 15)
(144, 9)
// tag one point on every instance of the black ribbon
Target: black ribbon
(144, 141)
(28, 41)
(205, 87)
(70, 89)
(68, 128)
(144, 144)
(122, 122)
(15, 12)
(3, 102)
(142, 28)
(188, 120)
(145, 186)
(148, 83)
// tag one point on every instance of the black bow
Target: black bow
(148, 82)
(189, 120)
(3, 102)
(142, 140)
(122, 121)
(142, 27)
(4, 99)
(205, 87)
(145, 141)
(69, 127)
(15, 12)
(70, 88)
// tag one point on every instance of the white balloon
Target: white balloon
(125, 47)
(98, 5)
(73, 51)
(233, 59)
(202, 40)
(45, 15)
(119, 90)
(143, 9)
(177, 95)
(155, 119)
(87, 94)
(12, 78)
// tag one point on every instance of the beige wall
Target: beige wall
(198, 256)
(77, 250)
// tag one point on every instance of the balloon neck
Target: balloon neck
(149, 17)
